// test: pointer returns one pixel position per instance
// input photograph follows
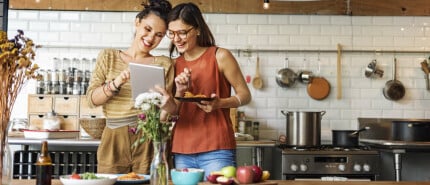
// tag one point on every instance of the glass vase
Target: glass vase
(6, 162)
(159, 172)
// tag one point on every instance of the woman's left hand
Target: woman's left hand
(209, 106)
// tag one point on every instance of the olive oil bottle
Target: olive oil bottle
(44, 166)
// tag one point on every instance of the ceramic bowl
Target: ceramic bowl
(105, 179)
(188, 176)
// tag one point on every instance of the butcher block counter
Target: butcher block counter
(275, 182)
(95, 142)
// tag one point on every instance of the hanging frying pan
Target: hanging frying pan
(394, 89)
(318, 88)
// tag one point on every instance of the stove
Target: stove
(328, 162)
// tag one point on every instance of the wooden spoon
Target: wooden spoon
(257, 82)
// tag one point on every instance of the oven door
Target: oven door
(329, 177)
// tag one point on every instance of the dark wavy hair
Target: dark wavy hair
(161, 8)
(190, 14)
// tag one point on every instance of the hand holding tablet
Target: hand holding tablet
(145, 77)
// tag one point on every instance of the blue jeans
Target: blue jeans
(208, 161)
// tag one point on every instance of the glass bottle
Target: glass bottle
(44, 166)
(255, 130)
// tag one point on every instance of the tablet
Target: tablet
(145, 77)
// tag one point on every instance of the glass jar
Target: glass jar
(6, 162)
(159, 172)
(51, 121)
(76, 88)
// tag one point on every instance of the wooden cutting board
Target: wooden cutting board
(260, 183)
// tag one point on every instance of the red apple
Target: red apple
(244, 174)
(212, 177)
(258, 172)
(224, 180)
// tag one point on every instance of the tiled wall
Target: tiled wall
(309, 42)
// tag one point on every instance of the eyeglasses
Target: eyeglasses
(181, 33)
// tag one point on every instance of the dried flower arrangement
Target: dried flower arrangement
(16, 67)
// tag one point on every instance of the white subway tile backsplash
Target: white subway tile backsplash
(15, 25)
(330, 30)
(320, 19)
(69, 16)
(382, 20)
(310, 30)
(258, 19)
(237, 19)
(12, 15)
(362, 20)
(422, 20)
(91, 17)
(299, 19)
(403, 21)
(227, 29)
(80, 27)
(268, 29)
(55, 26)
(101, 27)
(48, 37)
(296, 40)
(123, 27)
(278, 20)
(39, 26)
(215, 19)
(28, 15)
(113, 17)
(69, 36)
(341, 20)
(383, 41)
(49, 15)
(247, 29)
(112, 38)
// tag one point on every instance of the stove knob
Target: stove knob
(366, 167)
(357, 167)
(341, 167)
(294, 167)
(303, 167)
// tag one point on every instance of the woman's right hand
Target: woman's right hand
(182, 81)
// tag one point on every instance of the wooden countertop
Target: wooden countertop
(19, 140)
(277, 182)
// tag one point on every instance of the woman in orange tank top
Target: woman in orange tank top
(203, 136)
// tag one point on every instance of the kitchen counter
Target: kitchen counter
(277, 182)
(95, 142)
(391, 144)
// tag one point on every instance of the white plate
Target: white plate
(108, 180)
(139, 181)
(48, 134)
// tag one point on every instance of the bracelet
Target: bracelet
(238, 99)
(104, 92)
(116, 87)
(115, 92)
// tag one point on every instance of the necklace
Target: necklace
(127, 58)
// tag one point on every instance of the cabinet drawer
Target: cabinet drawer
(69, 122)
(39, 104)
(66, 105)
(87, 111)
(36, 121)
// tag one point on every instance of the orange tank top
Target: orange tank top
(197, 131)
